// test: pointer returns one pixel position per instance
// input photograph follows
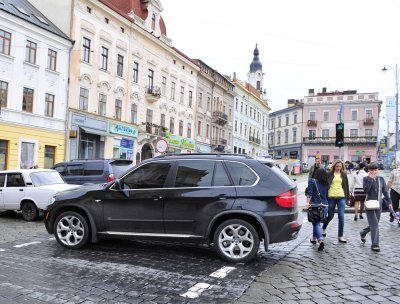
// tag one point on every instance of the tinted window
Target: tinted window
(74, 169)
(220, 176)
(241, 174)
(118, 167)
(60, 169)
(194, 173)
(151, 175)
(15, 180)
(2, 179)
(93, 168)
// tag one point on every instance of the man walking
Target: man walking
(394, 186)
(314, 168)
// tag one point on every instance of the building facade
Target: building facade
(34, 69)
(285, 131)
(360, 114)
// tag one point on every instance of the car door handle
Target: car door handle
(156, 198)
(21, 189)
(222, 196)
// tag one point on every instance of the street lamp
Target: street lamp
(396, 75)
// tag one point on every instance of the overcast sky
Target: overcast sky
(340, 44)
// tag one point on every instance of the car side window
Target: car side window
(93, 168)
(61, 170)
(151, 175)
(241, 174)
(15, 180)
(220, 177)
(194, 173)
(2, 179)
(74, 169)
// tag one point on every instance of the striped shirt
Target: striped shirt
(395, 179)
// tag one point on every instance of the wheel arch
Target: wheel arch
(27, 200)
(255, 220)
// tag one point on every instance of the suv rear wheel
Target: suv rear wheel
(71, 230)
(236, 241)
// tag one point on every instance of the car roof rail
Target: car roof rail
(205, 154)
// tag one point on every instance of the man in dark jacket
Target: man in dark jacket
(314, 168)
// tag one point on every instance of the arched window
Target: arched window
(153, 22)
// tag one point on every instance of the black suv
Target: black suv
(230, 201)
(97, 171)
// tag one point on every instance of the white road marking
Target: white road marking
(196, 290)
(2, 250)
(52, 238)
(26, 244)
(222, 272)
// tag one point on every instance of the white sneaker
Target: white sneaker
(342, 240)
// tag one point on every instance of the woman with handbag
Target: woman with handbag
(357, 190)
(338, 194)
(374, 186)
(317, 192)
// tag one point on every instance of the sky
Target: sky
(303, 44)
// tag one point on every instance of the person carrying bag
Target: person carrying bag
(374, 186)
(357, 191)
(317, 204)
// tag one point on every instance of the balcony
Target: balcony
(254, 140)
(152, 93)
(348, 141)
(369, 121)
(311, 123)
(220, 118)
(219, 141)
(151, 131)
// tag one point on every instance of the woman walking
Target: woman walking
(374, 187)
(338, 194)
(357, 190)
(317, 192)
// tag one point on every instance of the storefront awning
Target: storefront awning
(94, 131)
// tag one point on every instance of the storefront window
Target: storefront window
(49, 156)
(87, 146)
(3, 154)
(27, 155)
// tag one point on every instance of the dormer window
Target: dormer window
(153, 22)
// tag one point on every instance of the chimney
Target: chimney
(324, 90)
(234, 75)
(310, 92)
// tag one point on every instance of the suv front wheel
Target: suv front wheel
(71, 230)
(236, 241)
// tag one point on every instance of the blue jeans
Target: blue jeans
(317, 230)
(341, 204)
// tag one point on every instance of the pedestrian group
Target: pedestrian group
(328, 189)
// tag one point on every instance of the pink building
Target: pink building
(360, 114)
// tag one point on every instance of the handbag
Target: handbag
(316, 213)
(352, 200)
(374, 204)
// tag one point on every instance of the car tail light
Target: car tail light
(110, 178)
(287, 199)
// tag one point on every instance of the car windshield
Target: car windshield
(46, 178)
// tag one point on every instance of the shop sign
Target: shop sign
(360, 152)
(89, 122)
(179, 141)
(126, 143)
(174, 140)
(123, 130)
(188, 143)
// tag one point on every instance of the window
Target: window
(5, 42)
(180, 128)
(241, 107)
(172, 90)
(49, 156)
(279, 121)
(245, 110)
(338, 116)
(135, 77)
(241, 174)
(279, 138)
(104, 58)
(287, 120)
(27, 155)
(236, 124)
(3, 94)
(151, 79)
(120, 65)
(88, 9)
(152, 175)
(189, 130)
(2, 178)
(74, 169)
(368, 133)
(311, 134)
(286, 136)
(149, 116)
(353, 132)
(194, 174)
(171, 125)
(30, 55)
(83, 99)
(162, 120)
(199, 128)
(182, 94)
(190, 98)
(164, 86)
(86, 50)
(368, 113)
(208, 131)
(294, 117)
(354, 115)
(102, 104)
(326, 115)
(312, 116)
(208, 103)
(93, 168)
(153, 22)
(240, 128)
(15, 180)
(27, 100)
(294, 135)
(325, 134)
(106, 20)
(134, 113)
(118, 109)
(52, 60)
(49, 105)
(3, 154)
(245, 130)
(200, 104)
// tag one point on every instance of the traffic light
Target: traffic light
(339, 135)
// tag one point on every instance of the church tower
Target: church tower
(256, 75)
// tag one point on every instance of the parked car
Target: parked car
(230, 201)
(92, 171)
(29, 190)
(379, 163)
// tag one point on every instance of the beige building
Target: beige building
(131, 93)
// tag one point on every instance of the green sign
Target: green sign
(360, 152)
(178, 141)
(123, 130)
(188, 143)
